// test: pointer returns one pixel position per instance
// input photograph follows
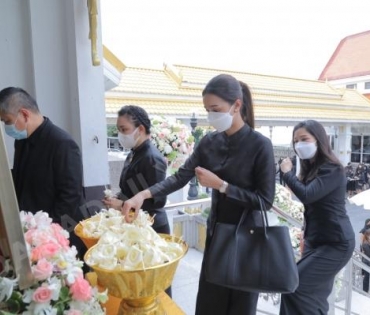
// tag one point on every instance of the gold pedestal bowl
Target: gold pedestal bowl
(139, 289)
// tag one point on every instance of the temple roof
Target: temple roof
(176, 90)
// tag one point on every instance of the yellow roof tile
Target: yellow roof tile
(176, 90)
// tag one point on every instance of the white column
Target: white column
(344, 144)
(45, 49)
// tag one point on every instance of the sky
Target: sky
(291, 38)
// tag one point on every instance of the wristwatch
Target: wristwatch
(223, 187)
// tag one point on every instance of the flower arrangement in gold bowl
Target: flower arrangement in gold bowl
(136, 265)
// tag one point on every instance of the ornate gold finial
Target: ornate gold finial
(93, 22)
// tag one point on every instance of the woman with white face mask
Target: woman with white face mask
(238, 164)
(329, 239)
(144, 165)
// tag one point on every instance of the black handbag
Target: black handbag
(252, 259)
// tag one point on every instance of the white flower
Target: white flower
(134, 259)
(6, 288)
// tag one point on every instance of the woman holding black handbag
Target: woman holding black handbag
(329, 239)
(238, 164)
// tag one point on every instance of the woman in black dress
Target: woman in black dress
(329, 239)
(238, 164)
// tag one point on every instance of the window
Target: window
(360, 149)
(367, 85)
(351, 86)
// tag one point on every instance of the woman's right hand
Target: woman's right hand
(113, 203)
(130, 209)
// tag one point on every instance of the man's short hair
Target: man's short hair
(12, 99)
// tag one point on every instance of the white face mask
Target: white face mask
(220, 121)
(306, 150)
(128, 141)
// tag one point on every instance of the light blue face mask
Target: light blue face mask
(13, 132)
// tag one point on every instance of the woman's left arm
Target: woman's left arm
(264, 181)
(328, 178)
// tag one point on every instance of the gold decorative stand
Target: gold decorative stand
(165, 304)
(139, 292)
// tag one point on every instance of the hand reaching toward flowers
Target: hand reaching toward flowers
(130, 208)
(111, 202)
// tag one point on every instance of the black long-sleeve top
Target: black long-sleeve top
(245, 160)
(47, 173)
(325, 214)
(144, 167)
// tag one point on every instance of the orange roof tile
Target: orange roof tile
(350, 59)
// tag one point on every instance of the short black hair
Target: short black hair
(14, 98)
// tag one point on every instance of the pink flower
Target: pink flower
(29, 235)
(42, 295)
(36, 237)
(42, 270)
(74, 312)
(47, 250)
(58, 233)
(81, 290)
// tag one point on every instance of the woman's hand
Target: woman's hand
(130, 208)
(112, 203)
(286, 165)
(208, 179)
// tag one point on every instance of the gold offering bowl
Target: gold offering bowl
(139, 289)
(88, 241)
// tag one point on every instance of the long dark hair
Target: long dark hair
(137, 115)
(324, 152)
(230, 89)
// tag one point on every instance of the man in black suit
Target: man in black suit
(47, 169)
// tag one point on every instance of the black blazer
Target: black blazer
(47, 173)
(325, 214)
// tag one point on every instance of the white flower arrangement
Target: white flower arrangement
(283, 200)
(59, 288)
(171, 137)
(127, 246)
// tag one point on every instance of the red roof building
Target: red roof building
(349, 66)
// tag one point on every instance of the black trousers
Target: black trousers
(317, 270)
(217, 300)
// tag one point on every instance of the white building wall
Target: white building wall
(45, 49)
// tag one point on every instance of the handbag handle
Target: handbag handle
(265, 222)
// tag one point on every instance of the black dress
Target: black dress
(246, 161)
(329, 239)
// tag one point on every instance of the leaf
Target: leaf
(14, 306)
(64, 294)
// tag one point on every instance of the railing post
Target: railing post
(348, 281)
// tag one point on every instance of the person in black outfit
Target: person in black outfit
(329, 239)
(365, 249)
(363, 230)
(47, 170)
(238, 163)
(144, 166)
